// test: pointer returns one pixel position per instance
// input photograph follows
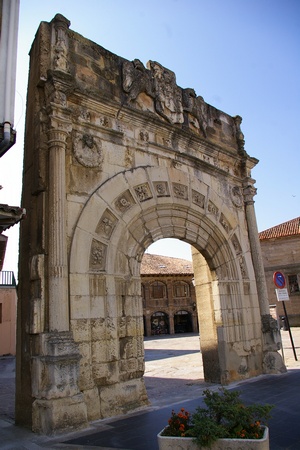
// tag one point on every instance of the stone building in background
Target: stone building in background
(281, 252)
(168, 294)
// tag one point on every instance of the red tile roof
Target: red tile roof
(165, 265)
(290, 228)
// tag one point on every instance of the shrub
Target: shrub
(225, 416)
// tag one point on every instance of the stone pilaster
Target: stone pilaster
(272, 360)
(57, 242)
(249, 192)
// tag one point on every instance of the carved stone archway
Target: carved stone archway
(117, 156)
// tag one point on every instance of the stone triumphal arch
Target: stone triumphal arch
(118, 156)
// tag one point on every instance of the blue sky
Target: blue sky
(241, 56)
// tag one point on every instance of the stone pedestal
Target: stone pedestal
(58, 403)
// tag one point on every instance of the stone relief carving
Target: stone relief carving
(167, 142)
(144, 136)
(124, 201)
(143, 192)
(177, 105)
(97, 255)
(176, 164)
(104, 122)
(211, 207)
(136, 79)
(55, 95)
(243, 267)
(225, 224)
(198, 199)
(157, 82)
(60, 47)
(168, 97)
(180, 191)
(87, 150)
(236, 196)
(161, 188)
(84, 115)
(239, 135)
(60, 55)
(106, 224)
(206, 158)
(196, 109)
(236, 244)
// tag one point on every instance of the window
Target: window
(181, 289)
(293, 283)
(158, 290)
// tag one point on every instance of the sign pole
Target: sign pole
(289, 329)
(282, 295)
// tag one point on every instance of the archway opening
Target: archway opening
(173, 360)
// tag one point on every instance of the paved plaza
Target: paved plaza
(174, 378)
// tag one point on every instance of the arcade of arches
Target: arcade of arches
(116, 157)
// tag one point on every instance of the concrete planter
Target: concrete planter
(177, 443)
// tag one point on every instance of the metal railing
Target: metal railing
(7, 278)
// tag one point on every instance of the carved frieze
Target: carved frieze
(198, 199)
(106, 224)
(124, 201)
(180, 191)
(211, 207)
(177, 105)
(87, 150)
(143, 192)
(161, 188)
(98, 255)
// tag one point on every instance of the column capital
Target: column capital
(57, 138)
(249, 191)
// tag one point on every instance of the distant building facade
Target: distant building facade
(281, 252)
(168, 293)
(8, 305)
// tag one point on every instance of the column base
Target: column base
(58, 403)
(59, 415)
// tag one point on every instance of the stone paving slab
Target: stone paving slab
(174, 378)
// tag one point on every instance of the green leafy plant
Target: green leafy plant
(225, 416)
